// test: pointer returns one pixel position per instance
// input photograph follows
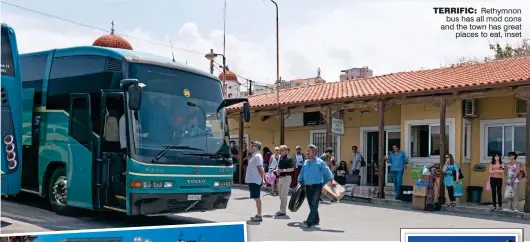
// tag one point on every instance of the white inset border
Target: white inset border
(518, 233)
(88, 231)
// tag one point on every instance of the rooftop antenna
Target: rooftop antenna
(173, 54)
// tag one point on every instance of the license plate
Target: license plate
(194, 197)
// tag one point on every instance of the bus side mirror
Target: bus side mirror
(135, 96)
(246, 112)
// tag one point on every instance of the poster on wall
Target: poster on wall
(417, 169)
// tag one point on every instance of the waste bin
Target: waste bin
(406, 193)
(474, 194)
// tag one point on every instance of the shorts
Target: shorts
(255, 190)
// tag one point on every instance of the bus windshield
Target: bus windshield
(179, 109)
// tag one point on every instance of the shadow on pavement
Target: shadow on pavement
(314, 228)
(249, 222)
(32, 209)
(4, 224)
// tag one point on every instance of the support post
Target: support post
(526, 208)
(282, 128)
(443, 149)
(224, 77)
(329, 135)
(381, 148)
(241, 145)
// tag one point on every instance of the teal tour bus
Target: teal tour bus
(115, 129)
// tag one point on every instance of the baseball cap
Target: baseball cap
(256, 143)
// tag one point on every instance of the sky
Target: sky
(387, 36)
(231, 233)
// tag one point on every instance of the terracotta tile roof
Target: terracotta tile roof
(501, 71)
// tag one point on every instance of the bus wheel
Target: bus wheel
(57, 190)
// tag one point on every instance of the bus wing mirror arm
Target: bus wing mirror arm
(231, 101)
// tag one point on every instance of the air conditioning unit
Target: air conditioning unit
(470, 108)
(520, 107)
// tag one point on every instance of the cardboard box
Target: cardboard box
(349, 189)
(334, 193)
(424, 178)
(364, 191)
(418, 202)
(420, 191)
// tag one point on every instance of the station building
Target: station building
(483, 107)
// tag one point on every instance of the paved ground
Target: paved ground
(339, 222)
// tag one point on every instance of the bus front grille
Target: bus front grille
(181, 206)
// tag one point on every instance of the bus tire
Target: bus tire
(57, 191)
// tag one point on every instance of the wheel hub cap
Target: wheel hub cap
(59, 191)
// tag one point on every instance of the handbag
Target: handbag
(488, 184)
(459, 189)
(508, 193)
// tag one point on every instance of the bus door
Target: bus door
(80, 176)
(112, 157)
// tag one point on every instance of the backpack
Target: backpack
(363, 162)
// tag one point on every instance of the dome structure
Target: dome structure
(230, 76)
(112, 41)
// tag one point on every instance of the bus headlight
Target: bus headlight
(168, 184)
(147, 184)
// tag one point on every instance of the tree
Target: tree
(508, 51)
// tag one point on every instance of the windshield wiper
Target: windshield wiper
(172, 147)
(205, 154)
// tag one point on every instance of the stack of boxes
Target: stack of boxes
(422, 193)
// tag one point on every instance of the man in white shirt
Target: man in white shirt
(255, 177)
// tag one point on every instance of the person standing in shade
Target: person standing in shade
(356, 161)
(285, 170)
(496, 172)
(255, 177)
(513, 170)
(314, 175)
(450, 178)
(398, 163)
(299, 158)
